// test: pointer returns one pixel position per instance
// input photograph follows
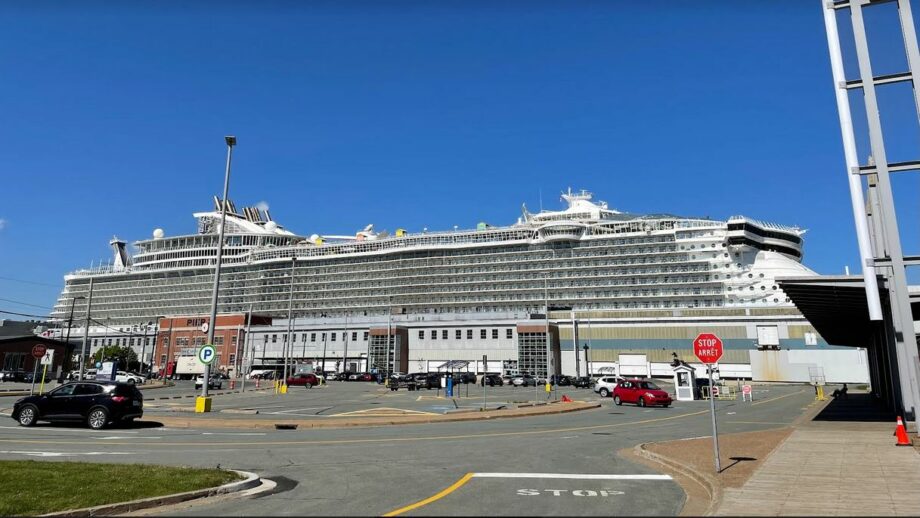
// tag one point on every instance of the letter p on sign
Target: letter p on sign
(206, 354)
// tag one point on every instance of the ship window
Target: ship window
(312, 337)
(761, 276)
(750, 276)
(332, 336)
(774, 287)
(469, 334)
(323, 336)
(482, 334)
(354, 336)
(495, 334)
(775, 300)
(421, 334)
(458, 334)
(763, 288)
(274, 338)
(509, 333)
(434, 334)
(444, 334)
(365, 335)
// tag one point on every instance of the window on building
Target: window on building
(163, 360)
(366, 335)
(218, 340)
(482, 334)
(284, 338)
(274, 338)
(333, 336)
(344, 336)
(444, 334)
(434, 334)
(232, 359)
(509, 333)
(459, 334)
(95, 342)
(469, 334)
(495, 334)
(421, 334)
(354, 336)
(312, 337)
(233, 340)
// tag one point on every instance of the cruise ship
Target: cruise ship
(587, 255)
(613, 268)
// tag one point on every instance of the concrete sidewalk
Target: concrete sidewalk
(829, 469)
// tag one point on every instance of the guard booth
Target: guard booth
(685, 382)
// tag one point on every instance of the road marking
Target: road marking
(487, 435)
(757, 422)
(572, 476)
(63, 454)
(444, 492)
(382, 412)
(117, 437)
(233, 433)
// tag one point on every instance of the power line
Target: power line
(29, 282)
(23, 314)
(25, 304)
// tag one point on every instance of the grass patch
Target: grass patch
(32, 487)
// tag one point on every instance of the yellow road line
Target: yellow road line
(391, 439)
(757, 422)
(444, 492)
(776, 398)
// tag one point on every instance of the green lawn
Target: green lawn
(37, 487)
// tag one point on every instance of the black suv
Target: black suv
(426, 380)
(492, 380)
(98, 403)
(582, 382)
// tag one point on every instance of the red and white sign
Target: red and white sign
(38, 350)
(746, 390)
(708, 348)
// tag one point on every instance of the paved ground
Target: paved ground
(521, 465)
(832, 469)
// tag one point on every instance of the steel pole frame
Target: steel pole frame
(245, 340)
(231, 141)
(885, 213)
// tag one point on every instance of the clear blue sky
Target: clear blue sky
(412, 114)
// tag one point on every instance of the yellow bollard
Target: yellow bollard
(41, 389)
(202, 405)
(548, 388)
(284, 388)
(819, 393)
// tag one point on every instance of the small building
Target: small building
(179, 338)
(16, 354)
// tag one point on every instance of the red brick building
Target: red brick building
(179, 339)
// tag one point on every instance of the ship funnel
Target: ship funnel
(122, 259)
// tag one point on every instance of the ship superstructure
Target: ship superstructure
(587, 256)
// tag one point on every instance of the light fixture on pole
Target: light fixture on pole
(203, 404)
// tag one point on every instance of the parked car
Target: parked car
(99, 403)
(308, 380)
(605, 384)
(213, 383)
(492, 380)
(523, 380)
(365, 376)
(562, 381)
(640, 392)
(426, 380)
(128, 377)
(12, 375)
(582, 382)
(506, 379)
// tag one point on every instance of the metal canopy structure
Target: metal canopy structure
(836, 306)
(873, 204)
(453, 365)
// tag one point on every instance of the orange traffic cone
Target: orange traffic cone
(566, 399)
(901, 432)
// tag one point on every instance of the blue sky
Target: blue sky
(418, 114)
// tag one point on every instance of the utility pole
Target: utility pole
(73, 303)
(345, 354)
(245, 339)
(575, 343)
(204, 402)
(89, 304)
(386, 382)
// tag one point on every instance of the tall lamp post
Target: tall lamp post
(386, 382)
(587, 365)
(89, 304)
(288, 345)
(64, 363)
(204, 404)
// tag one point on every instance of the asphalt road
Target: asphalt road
(520, 466)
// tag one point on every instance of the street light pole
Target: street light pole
(549, 351)
(325, 336)
(89, 304)
(587, 365)
(169, 341)
(575, 342)
(246, 343)
(389, 331)
(73, 303)
(288, 346)
(231, 141)
(345, 353)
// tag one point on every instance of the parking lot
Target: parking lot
(552, 464)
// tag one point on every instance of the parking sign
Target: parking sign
(206, 354)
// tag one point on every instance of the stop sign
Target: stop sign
(38, 350)
(708, 348)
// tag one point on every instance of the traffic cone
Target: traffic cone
(901, 432)
(566, 399)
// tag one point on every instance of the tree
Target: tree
(124, 356)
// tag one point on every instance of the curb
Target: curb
(333, 422)
(252, 480)
(714, 490)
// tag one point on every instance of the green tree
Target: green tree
(124, 356)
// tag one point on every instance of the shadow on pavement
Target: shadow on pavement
(856, 407)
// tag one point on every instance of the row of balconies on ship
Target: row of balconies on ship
(398, 296)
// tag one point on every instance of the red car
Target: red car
(640, 392)
(308, 380)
